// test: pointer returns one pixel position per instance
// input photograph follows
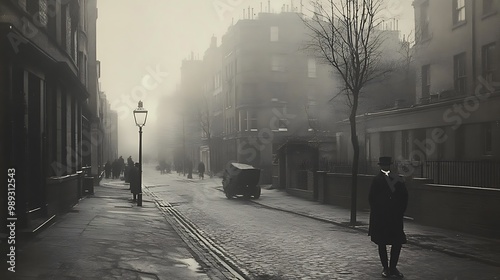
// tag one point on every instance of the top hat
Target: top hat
(384, 161)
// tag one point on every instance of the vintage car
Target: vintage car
(241, 179)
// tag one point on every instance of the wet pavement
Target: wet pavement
(106, 236)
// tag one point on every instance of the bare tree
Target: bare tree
(345, 36)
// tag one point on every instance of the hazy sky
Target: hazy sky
(141, 44)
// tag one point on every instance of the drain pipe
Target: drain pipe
(474, 43)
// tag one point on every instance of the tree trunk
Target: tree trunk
(355, 161)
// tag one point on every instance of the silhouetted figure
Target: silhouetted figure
(201, 169)
(107, 169)
(189, 166)
(130, 163)
(134, 177)
(163, 166)
(121, 161)
(388, 199)
(116, 169)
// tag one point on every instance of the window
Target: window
(278, 63)
(313, 123)
(84, 15)
(229, 99)
(460, 73)
(217, 80)
(311, 68)
(458, 11)
(274, 33)
(282, 125)
(424, 20)
(426, 81)
(487, 129)
(278, 91)
(252, 121)
(488, 6)
(489, 62)
(37, 11)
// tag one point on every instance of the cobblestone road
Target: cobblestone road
(277, 245)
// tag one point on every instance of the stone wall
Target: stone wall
(466, 209)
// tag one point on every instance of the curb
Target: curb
(409, 240)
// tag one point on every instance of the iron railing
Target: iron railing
(460, 173)
(464, 173)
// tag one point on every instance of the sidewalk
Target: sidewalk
(106, 236)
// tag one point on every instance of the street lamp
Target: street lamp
(140, 116)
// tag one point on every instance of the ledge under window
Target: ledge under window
(459, 24)
(489, 14)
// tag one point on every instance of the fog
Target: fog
(141, 45)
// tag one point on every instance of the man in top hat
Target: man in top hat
(388, 199)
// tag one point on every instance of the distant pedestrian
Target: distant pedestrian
(130, 164)
(189, 168)
(121, 162)
(135, 184)
(201, 169)
(107, 169)
(388, 199)
(116, 169)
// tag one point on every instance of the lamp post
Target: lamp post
(140, 117)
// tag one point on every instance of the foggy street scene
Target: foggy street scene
(245, 139)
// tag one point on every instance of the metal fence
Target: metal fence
(460, 173)
(463, 173)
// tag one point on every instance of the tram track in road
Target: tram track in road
(206, 249)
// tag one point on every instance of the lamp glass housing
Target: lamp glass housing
(140, 115)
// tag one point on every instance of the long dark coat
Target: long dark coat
(387, 209)
(134, 178)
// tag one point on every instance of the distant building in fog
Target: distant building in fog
(264, 90)
(260, 88)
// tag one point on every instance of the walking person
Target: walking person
(107, 169)
(388, 199)
(201, 169)
(134, 177)
(116, 169)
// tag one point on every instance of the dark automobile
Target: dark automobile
(241, 179)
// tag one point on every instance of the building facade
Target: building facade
(266, 90)
(49, 90)
(452, 132)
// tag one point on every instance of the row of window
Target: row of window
(247, 121)
(489, 63)
(409, 138)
